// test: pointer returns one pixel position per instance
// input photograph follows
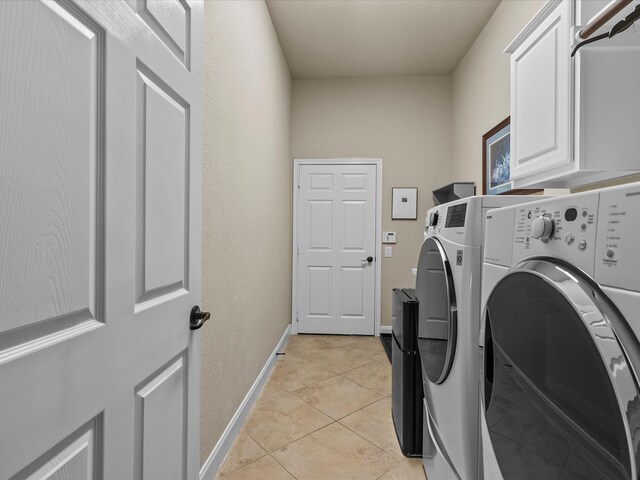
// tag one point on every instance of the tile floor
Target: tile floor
(324, 414)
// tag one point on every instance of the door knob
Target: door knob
(368, 259)
(197, 318)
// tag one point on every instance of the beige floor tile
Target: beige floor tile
(337, 396)
(407, 469)
(376, 425)
(341, 340)
(264, 469)
(305, 345)
(334, 453)
(268, 390)
(375, 376)
(339, 359)
(243, 451)
(370, 347)
(280, 417)
(293, 372)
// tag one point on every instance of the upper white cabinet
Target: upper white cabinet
(573, 120)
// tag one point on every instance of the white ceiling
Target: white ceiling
(363, 38)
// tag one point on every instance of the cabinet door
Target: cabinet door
(540, 98)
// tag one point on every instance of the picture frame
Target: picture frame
(404, 203)
(496, 162)
(496, 156)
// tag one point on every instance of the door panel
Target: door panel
(321, 182)
(353, 283)
(100, 152)
(320, 223)
(161, 413)
(354, 182)
(171, 22)
(49, 193)
(163, 119)
(320, 288)
(79, 456)
(354, 226)
(336, 228)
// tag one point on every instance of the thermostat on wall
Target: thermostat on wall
(388, 237)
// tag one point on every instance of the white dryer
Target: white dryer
(448, 288)
(560, 338)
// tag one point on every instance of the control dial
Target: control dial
(542, 227)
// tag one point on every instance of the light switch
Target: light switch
(388, 237)
(388, 251)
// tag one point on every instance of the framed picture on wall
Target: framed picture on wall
(404, 203)
(496, 150)
(496, 162)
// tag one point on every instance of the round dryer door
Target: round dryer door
(560, 395)
(438, 319)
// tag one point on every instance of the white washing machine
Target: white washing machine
(448, 288)
(560, 338)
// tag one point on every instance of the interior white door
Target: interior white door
(100, 164)
(336, 229)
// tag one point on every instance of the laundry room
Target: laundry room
(319, 239)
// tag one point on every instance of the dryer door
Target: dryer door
(438, 314)
(560, 395)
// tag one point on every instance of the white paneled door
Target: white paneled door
(336, 234)
(100, 164)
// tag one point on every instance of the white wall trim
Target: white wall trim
(220, 451)
(378, 263)
(386, 329)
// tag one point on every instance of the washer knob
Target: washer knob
(542, 227)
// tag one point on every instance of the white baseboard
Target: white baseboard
(219, 452)
(385, 329)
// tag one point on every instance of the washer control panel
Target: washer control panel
(434, 221)
(617, 258)
(542, 227)
(562, 227)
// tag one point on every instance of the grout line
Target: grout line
(395, 457)
(364, 406)
(241, 466)
(360, 366)
(284, 468)
(365, 387)
(314, 383)
(304, 436)
(385, 394)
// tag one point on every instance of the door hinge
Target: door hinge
(298, 250)
(298, 182)
(297, 319)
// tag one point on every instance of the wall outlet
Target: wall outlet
(388, 251)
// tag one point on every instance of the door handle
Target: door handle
(197, 318)
(368, 259)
